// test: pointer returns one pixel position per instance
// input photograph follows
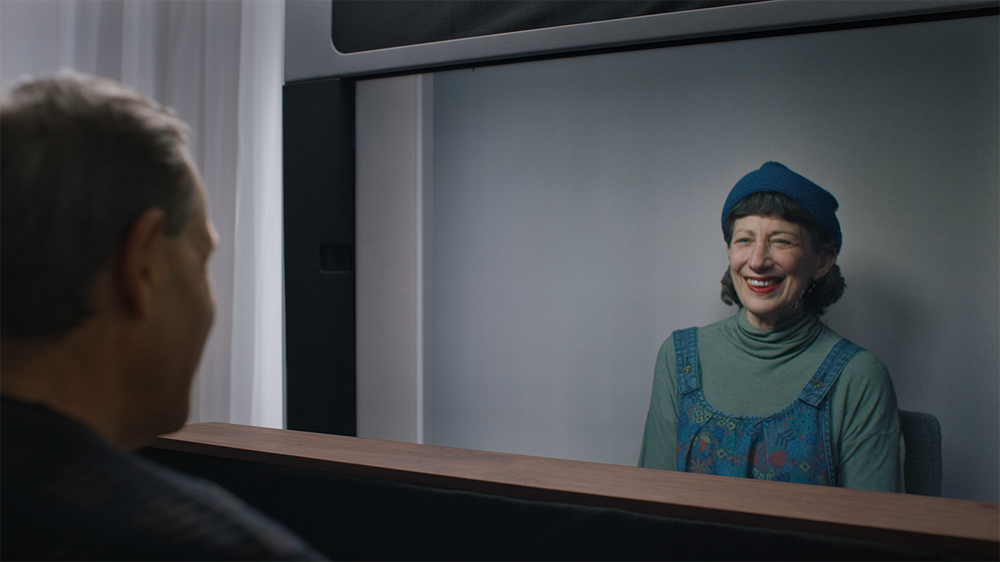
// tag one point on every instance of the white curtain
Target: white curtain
(219, 64)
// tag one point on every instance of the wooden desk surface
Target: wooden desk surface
(950, 525)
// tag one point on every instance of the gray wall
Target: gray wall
(576, 224)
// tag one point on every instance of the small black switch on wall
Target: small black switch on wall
(336, 258)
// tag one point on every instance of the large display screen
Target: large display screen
(576, 208)
(557, 219)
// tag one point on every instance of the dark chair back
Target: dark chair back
(922, 464)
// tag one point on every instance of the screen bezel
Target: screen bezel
(311, 54)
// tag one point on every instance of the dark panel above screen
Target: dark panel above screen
(310, 52)
(362, 25)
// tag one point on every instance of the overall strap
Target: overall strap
(686, 349)
(820, 383)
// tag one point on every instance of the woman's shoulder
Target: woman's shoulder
(667, 355)
(865, 368)
(864, 360)
(709, 331)
(716, 329)
(868, 369)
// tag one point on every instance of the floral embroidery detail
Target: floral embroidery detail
(777, 459)
(700, 415)
(699, 466)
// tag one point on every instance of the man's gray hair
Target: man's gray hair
(81, 158)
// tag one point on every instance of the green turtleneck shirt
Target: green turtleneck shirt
(746, 371)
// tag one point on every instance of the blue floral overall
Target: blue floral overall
(792, 445)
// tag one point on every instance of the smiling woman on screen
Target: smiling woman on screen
(773, 393)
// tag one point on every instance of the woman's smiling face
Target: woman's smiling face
(772, 263)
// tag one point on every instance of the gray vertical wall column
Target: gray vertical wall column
(394, 275)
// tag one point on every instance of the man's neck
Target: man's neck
(63, 376)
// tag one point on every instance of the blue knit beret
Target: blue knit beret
(773, 176)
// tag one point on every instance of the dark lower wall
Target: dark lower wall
(368, 519)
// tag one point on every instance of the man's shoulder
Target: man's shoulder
(68, 494)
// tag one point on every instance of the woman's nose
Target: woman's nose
(760, 257)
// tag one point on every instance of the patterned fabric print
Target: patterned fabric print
(715, 443)
(790, 446)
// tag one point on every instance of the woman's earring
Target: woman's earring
(812, 285)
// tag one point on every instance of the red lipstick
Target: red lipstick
(771, 284)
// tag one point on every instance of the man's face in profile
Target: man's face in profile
(182, 320)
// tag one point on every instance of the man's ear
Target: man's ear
(140, 256)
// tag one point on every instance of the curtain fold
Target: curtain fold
(257, 343)
(219, 64)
